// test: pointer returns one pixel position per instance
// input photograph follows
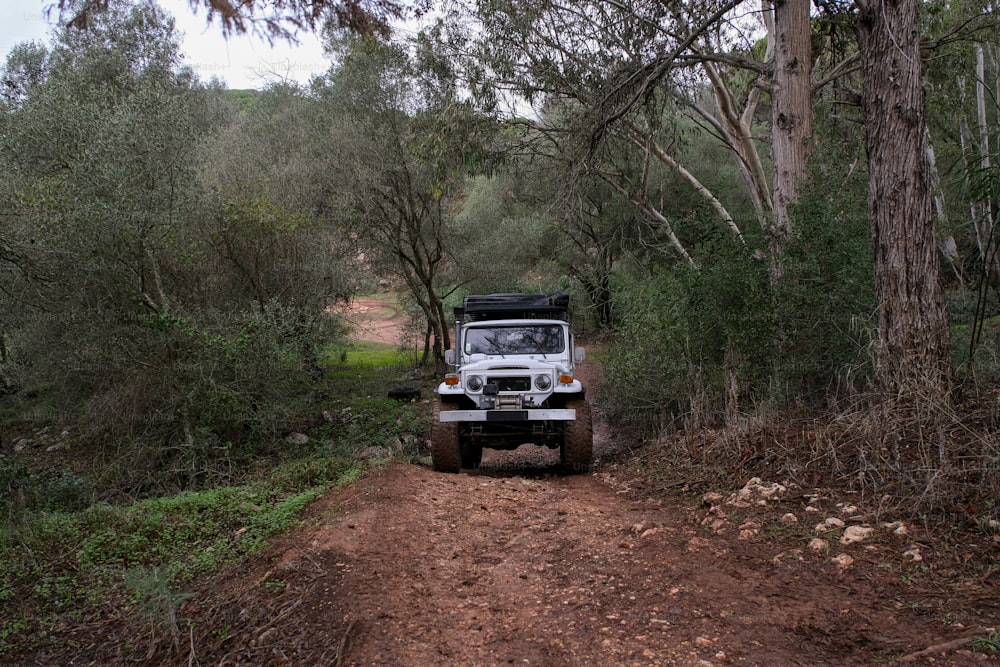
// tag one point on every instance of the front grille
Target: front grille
(511, 383)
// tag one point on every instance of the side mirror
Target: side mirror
(449, 357)
(579, 354)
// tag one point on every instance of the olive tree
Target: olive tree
(164, 295)
(401, 140)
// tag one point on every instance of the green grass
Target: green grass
(56, 562)
(144, 553)
(989, 643)
(62, 561)
(362, 358)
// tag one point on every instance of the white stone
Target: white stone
(913, 554)
(749, 529)
(771, 490)
(854, 534)
(843, 561)
(297, 439)
(829, 524)
(789, 518)
(818, 545)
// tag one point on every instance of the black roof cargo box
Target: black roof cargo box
(513, 306)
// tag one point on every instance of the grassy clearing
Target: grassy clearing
(63, 563)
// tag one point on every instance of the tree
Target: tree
(600, 74)
(156, 291)
(791, 124)
(914, 359)
(402, 141)
(279, 19)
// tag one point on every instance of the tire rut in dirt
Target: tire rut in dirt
(578, 445)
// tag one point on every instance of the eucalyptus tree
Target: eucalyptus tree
(280, 19)
(588, 66)
(914, 352)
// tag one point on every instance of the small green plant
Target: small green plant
(157, 600)
(987, 643)
(275, 586)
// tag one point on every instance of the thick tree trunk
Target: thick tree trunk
(914, 360)
(791, 117)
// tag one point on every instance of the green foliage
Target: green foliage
(988, 643)
(22, 489)
(53, 563)
(149, 552)
(682, 330)
(361, 416)
(312, 471)
(826, 302)
(157, 600)
(168, 295)
(705, 342)
(497, 239)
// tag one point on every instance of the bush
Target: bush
(826, 303)
(716, 341)
(22, 490)
(689, 339)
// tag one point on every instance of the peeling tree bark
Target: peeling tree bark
(791, 118)
(914, 360)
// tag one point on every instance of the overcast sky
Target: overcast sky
(242, 62)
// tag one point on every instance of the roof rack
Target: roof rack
(513, 306)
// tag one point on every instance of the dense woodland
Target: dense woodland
(775, 221)
(763, 211)
(772, 216)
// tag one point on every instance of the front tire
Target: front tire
(445, 451)
(578, 441)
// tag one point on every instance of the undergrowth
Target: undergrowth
(67, 556)
(941, 466)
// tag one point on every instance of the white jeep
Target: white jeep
(513, 383)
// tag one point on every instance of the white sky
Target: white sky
(241, 61)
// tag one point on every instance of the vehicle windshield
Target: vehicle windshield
(538, 339)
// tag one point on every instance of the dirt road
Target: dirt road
(412, 567)
(517, 565)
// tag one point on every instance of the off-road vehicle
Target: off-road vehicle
(513, 383)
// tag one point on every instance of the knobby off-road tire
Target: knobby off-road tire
(445, 450)
(578, 442)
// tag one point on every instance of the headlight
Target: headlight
(474, 383)
(542, 382)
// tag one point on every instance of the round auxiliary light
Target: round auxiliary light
(474, 383)
(542, 382)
